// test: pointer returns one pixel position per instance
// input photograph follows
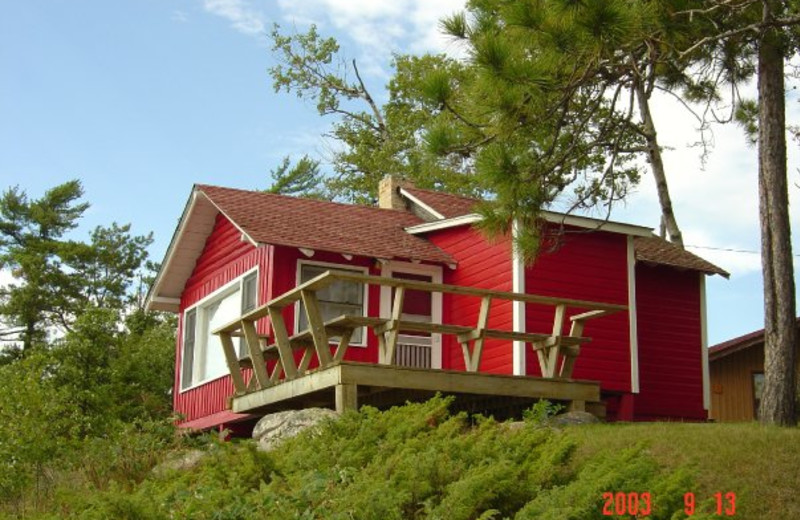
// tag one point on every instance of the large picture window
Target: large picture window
(337, 299)
(203, 357)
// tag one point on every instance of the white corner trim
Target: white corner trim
(444, 224)
(704, 344)
(424, 206)
(633, 332)
(517, 307)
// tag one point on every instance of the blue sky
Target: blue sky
(141, 99)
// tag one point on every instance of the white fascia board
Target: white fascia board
(633, 332)
(424, 206)
(597, 224)
(443, 224)
(549, 216)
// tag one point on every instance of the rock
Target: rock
(179, 461)
(571, 418)
(275, 427)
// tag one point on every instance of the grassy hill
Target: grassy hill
(419, 461)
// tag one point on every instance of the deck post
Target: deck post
(346, 397)
(576, 405)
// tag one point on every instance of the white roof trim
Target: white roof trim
(597, 224)
(424, 206)
(444, 224)
(549, 216)
(237, 226)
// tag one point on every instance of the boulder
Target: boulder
(179, 461)
(275, 427)
(571, 418)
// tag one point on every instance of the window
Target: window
(335, 300)
(203, 357)
(758, 389)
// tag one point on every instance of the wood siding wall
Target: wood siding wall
(586, 266)
(485, 264)
(732, 384)
(224, 258)
(670, 344)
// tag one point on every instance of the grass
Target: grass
(420, 461)
(760, 464)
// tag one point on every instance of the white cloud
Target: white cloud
(378, 29)
(180, 16)
(243, 17)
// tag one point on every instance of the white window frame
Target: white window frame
(201, 327)
(335, 267)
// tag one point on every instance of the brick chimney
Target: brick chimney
(388, 192)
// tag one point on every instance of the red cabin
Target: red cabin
(235, 251)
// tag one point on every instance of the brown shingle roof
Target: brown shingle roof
(322, 225)
(658, 251)
(445, 203)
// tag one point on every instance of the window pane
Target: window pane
(218, 314)
(249, 292)
(187, 357)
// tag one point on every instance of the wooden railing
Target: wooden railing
(556, 353)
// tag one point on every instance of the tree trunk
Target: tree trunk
(668, 221)
(778, 400)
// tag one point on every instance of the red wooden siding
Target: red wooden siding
(586, 266)
(224, 258)
(670, 344)
(485, 264)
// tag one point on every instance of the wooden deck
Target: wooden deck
(282, 378)
(346, 385)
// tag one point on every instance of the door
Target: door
(416, 349)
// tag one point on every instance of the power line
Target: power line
(730, 250)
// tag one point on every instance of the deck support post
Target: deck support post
(388, 344)
(346, 397)
(317, 327)
(282, 342)
(576, 405)
(256, 356)
(232, 360)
